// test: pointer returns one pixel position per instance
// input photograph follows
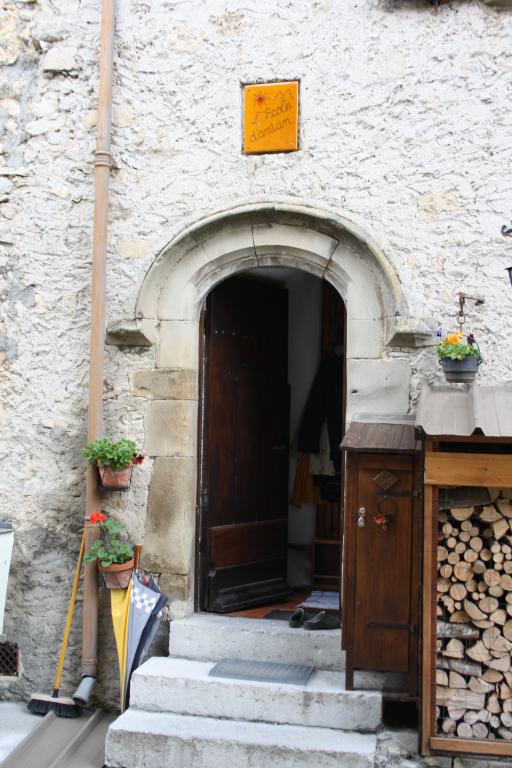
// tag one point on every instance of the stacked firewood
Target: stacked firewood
(474, 621)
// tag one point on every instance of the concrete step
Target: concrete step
(140, 739)
(209, 637)
(183, 687)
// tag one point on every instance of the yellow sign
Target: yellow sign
(271, 117)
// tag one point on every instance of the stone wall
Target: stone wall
(405, 129)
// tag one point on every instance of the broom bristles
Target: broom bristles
(63, 706)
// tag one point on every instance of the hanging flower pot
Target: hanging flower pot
(460, 371)
(114, 462)
(459, 356)
(117, 575)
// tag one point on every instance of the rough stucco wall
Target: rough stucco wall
(404, 126)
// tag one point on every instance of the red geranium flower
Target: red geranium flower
(138, 459)
(97, 517)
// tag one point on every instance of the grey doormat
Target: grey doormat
(263, 671)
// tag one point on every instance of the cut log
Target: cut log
(482, 587)
(471, 717)
(506, 582)
(498, 558)
(485, 555)
(474, 611)
(446, 571)
(447, 529)
(489, 604)
(485, 624)
(495, 548)
(498, 617)
(441, 677)
(506, 719)
(493, 704)
(457, 681)
(471, 585)
(502, 664)
(495, 721)
(464, 731)
(492, 676)
(458, 591)
(465, 667)
(476, 543)
(500, 528)
(489, 636)
(505, 733)
(507, 630)
(455, 649)
(456, 713)
(465, 536)
(484, 716)
(460, 630)
(453, 558)
(505, 507)
(489, 514)
(491, 577)
(448, 725)
(479, 685)
(507, 565)
(442, 554)
(479, 652)
(443, 585)
(466, 526)
(462, 571)
(495, 591)
(478, 567)
(480, 731)
(507, 705)
(505, 692)
(460, 698)
(501, 645)
(470, 556)
(459, 617)
(451, 541)
(462, 513)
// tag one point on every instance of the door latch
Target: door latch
(361, 519)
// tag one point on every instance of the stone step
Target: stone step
(141, 739)
(184, 687)
(209, 637)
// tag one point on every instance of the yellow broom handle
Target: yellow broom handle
(69, 617)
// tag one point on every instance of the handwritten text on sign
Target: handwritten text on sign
(271, 113)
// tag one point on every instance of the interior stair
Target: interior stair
(179, 716)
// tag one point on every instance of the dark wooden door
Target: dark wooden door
(245, 457)
(382, 623)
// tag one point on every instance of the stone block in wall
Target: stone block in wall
(364, 337)
(170, 520)
(175, 384)
(171, 428)
(178, 344)
(377, 387)
(178, 589)
(60, 59)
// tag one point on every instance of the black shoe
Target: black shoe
(296, 619)
(322, 621)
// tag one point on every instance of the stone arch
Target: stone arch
(175, 287)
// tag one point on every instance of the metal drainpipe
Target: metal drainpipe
(97, 342)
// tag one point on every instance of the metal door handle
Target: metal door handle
(361, 519)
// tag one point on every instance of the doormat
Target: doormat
(262, 671)
(322, 601)
(278, 614)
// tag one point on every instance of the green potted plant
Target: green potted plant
(115, 557)
(459, 356)
(114, 461)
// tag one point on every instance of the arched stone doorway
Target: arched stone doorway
(172, 295)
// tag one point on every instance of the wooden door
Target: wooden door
(245, 455)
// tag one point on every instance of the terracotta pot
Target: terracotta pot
(118, 575)
(460, 371)
(115, 479)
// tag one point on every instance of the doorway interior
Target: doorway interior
(272, 393)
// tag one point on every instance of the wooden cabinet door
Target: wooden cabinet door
(381, 631)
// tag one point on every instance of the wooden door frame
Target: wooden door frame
(200, 548)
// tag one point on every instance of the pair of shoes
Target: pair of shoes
(296, 619)
(319, 621)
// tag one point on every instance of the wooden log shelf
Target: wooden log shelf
(467, 605)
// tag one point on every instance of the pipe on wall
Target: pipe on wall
(97, 342)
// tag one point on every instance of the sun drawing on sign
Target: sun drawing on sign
(260, 99)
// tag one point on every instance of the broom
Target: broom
(63, 706)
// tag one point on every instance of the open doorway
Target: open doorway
(271, 420)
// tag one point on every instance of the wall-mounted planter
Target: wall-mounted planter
(117, 575)
(114, 479)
